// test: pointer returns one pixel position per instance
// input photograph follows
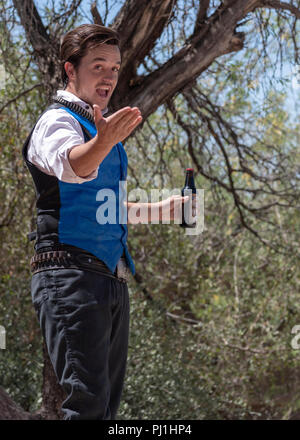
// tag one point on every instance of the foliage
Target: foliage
(211, 315)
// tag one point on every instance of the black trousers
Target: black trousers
(84, 318)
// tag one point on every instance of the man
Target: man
(80, 267)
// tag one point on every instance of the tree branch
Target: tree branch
(45, 46)
(217, 38)
(9, 410)
(201, 15)
(275, 4)
(11, 101)
(96, 16)
(33, 25)
(140, 23)
(67, 18)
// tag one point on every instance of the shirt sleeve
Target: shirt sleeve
(54, 136)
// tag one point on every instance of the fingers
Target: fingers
(185, 199)
(118, 126)
(130, 119)
(127, 121)
(125, 117)
(134, 124)
(179, 199)
(97, 110)
(97, 114)
(175, 201)
(116, 117)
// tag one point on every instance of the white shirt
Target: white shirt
(54, 136)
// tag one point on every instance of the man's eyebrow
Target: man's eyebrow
(103, 59)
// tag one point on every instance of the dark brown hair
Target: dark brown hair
(76, 43)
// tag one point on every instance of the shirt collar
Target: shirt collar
(73, 98)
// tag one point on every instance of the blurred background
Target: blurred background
(212, 315)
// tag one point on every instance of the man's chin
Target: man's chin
(102, 102)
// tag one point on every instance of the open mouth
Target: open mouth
(103, 91)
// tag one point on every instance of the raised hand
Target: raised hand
(116, 127)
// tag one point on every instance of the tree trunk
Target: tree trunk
(53, 396)
(53, 393)
(9, 410)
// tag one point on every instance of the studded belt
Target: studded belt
(57, 259)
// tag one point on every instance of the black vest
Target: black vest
(47, 197)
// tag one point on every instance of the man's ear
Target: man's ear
(70, 70)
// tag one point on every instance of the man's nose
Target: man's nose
(109, 76)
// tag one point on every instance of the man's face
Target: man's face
(96, 76)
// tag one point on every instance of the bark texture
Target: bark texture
(53, 394)
(9, 410)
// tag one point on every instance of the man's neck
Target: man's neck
(75, 93)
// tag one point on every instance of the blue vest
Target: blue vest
(75, 213)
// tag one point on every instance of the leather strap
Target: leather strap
(72, 260)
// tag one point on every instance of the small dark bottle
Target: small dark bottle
(189, 207)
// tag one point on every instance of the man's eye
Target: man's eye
(116, 69)
(98, 67)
